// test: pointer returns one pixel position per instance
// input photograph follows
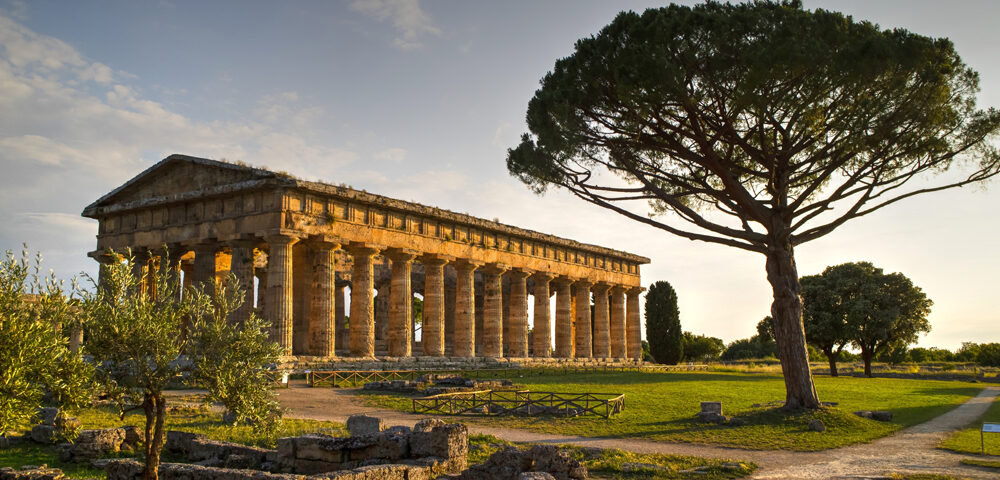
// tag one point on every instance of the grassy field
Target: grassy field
(968, 441)
(616, 464)
(661, 406)
(189, 420)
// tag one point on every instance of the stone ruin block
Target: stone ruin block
(447, 442)
(195, 447)
(541, 461)
(364, 425)
(91, 444)
(711, 407)
(31, 473)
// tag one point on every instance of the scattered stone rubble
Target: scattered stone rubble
(91, 444)
(31, 472)
(431, 449)
(55, 426)
(878, 415)
(538, 462)
(435, 384)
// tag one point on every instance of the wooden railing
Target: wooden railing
(354, 378)
(523, 402)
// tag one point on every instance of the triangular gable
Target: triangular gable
(177, 176)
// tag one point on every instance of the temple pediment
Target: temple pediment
(178, 177)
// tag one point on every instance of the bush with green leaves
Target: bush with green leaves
(989, 355)
(35, 361)
(229, 359)
(702, 348)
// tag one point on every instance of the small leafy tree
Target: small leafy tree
(229, 359)
(702, 348)
(967, 352)
(134, 327)
(34, 358)
(825, 323)
(663, 324)
(761, 345)
(989, 355)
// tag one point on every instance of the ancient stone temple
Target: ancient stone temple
(300, 246)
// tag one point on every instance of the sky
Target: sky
(418, 101)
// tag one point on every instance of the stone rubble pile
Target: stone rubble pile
(538, 462)
(436, 384)
(55, 426)
(31, 472)
(91, 444)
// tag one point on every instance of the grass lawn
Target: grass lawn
(192, 420)
(661, 406)
(616, 464)
(967, 440)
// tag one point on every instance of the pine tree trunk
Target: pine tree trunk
(789, 333)
(832, 357)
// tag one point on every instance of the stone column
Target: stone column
(542, 341)
(505, 314)
(242, 267)
(400, 338)
(584, 343)
(261, 292)
(140, 270)
(322, 319)
(518, 342)
(449, 319)
(204, 266)
(618, 336)
(279, 288)
(432, 336)
(340, 329)
(171, 268)
(564, 319)
(465, 309)
(632, 328)
(493, 310)
(602, 325)
(362, 301)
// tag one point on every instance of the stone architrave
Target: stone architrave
(584, 341)
(465, 309)
(279, 287)
(542, 330)
(602, 345)
(242, 267)
(518, 331)
(493, 314)
(400, 338)
(362, 300)
(632, 328)
(322, 316)
(433, 330)
(564, 317)
(618, 336)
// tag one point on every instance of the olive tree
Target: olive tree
(137, 336)
(34, 357)
(759, 126)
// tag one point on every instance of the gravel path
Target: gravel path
(911, 450)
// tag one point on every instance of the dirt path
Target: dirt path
(909, 451)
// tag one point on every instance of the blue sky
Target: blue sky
(417, 101)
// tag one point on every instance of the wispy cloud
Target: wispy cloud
(410, 21)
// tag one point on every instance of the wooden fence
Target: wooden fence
(523, 402)
(355, 378)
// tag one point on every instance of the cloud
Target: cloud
(394, 155)
(409, 20)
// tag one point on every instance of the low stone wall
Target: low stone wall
(301, 364)
(193, 447)
(436, 384)
(31, 473)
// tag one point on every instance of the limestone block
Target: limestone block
(549, 459)
(47, 416)
(36, 473)
(364, 425)
(449, 442)
(91, 444)
(427, 425)
(309, 467)
(46, 434)
(392, 446)
(711, 407)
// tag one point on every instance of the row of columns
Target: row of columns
(612, 332)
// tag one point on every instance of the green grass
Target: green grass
(967, 440)
(982, 463)
(661, 406)
(615, 464)
(189, 420)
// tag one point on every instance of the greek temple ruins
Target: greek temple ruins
(299, 247)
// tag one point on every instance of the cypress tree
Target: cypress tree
(663, 324)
